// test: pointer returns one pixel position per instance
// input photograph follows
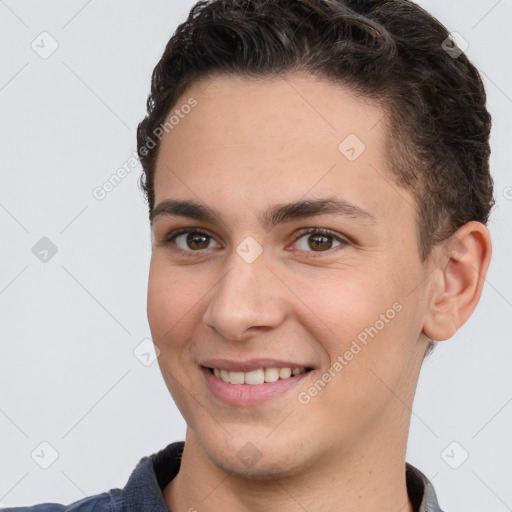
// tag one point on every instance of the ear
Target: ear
(461, 265)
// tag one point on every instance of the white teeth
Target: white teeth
(284, 373)
(254, 377)
(257, 376)
(236, 377)
(271, 374)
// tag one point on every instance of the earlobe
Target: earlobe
(462, 264)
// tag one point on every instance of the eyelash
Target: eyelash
(308, 231)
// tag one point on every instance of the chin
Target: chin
(267, 470)
(260, 459)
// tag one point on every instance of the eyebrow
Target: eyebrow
(274, 215)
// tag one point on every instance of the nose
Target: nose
(248, 299)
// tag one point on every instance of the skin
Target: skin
(246, 146)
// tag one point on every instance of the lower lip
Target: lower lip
(248, 394)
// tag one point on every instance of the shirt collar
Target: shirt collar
(143, 491)
(420, 490)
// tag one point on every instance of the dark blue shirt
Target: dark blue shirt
(143, 491)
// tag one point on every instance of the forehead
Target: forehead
(276, 139)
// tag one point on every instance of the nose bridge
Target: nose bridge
(247, 296)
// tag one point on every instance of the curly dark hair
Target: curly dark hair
(391, 51)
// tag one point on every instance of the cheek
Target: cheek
(367, 326)
(346, 306)
(173, 304)
(173, 311)
(365, 323)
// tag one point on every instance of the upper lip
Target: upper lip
(250, 364)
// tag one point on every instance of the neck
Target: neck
(342, 482)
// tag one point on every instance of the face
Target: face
(280, 241)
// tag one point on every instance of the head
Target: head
(258, 104)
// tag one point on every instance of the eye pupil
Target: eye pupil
(197, 241)
(321, 242)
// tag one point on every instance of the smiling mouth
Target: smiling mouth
(259, 376)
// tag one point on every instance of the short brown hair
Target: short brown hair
(391, 51)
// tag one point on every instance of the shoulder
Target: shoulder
(105, 502)
(142, 492)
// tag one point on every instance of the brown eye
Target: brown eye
(191, 240)
(318, 240)
(197, 241)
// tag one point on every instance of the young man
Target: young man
(318, 187)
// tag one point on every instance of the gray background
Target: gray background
(73, 372)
